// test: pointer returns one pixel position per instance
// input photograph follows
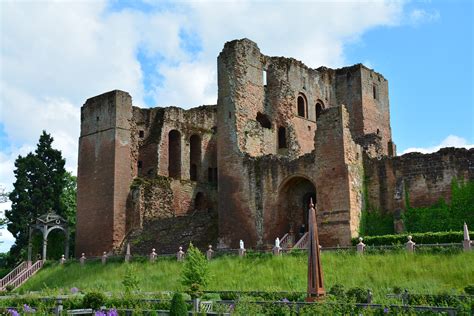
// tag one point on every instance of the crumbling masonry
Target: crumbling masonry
(280, 134)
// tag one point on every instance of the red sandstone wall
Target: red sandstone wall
(104, 172)
(337, 178)
(354, 89)
(425, 178)
(248, 194)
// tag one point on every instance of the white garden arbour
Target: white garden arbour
(47, 223)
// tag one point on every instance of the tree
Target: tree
(39, 186)
(178, 305)
(195, 272)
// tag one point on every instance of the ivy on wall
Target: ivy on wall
(373, 223)
(439, 217)
(444, 216)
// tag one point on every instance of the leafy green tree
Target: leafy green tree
(69, 198)
(130, 280)
(39, 187)
(195, 271)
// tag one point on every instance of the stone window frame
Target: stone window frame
(323, 107)
(282, 138)
(175, 162)
(305, 105)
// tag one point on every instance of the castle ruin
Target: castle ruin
(280, 135)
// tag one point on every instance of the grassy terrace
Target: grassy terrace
(420, 273)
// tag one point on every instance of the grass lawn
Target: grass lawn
(420, 273)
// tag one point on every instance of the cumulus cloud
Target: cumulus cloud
(450, 141)
(57, 54)
(314, 32)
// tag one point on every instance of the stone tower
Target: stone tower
(104, 172)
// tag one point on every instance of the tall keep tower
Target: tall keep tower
(104, 172)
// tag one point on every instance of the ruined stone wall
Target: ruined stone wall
(249, 196)
(338, 178)
(226, 166)
(375, 106)
(423, 178)
(365, 94)
(104, 172)
(275, 188)
(287, 79)
(175, 196)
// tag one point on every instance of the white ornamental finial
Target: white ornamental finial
(242, 244)
(466, 232)
(277, 242)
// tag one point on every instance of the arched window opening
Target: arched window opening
(319, 108)
(282, 138)
(174, 154)
(374, 91)
(301, 106)
(194, 157)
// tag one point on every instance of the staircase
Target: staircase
(286, 242)
(20, 275)
(303, 242)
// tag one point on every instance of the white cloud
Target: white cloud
(450, 141)
(314, 32)
(57, 54)
(6, 237)
(7, 165)
(418, 16)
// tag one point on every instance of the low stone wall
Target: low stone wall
(421, 178)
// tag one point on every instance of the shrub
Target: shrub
(419, 238)
(195, 272)
(93, 300)
(178, 305)
(359, 295)
(469, 289)
(337, 290)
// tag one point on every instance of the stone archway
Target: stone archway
(294, 195)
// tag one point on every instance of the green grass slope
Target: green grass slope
(421, 273)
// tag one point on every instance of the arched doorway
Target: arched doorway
(294, 196)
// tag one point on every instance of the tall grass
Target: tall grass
(422, 273)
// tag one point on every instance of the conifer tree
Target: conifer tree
(39, 185)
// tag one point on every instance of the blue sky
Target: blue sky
(429, 66)
(164, 53)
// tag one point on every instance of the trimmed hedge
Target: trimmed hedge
(419, 238)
